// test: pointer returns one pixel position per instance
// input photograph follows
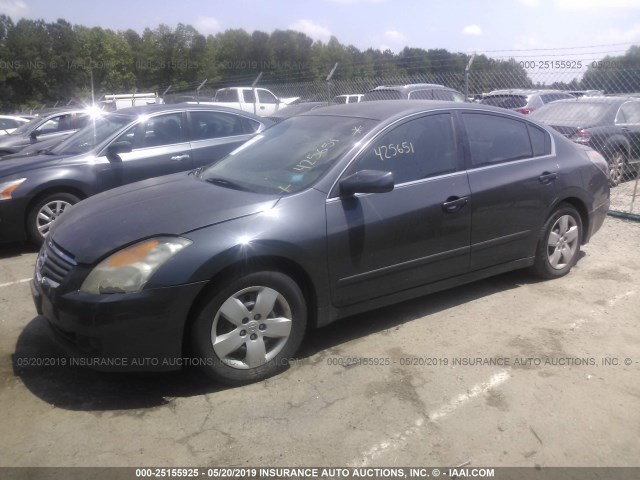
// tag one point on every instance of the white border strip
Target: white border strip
(24, 280)
(396, 440)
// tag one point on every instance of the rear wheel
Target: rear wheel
(617, 167)
(45, 211)
(559, 244)
(248, 330)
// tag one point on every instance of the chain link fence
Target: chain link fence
(598, 106)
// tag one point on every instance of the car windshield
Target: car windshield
(559, 113)
(289, 156)
(26, 127)
(96, 132)
(505, 101)
(382, 95)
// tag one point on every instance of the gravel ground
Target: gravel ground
(509, 371)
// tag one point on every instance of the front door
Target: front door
(380, 244)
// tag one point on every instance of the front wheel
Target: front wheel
(559, 244)
(247, 331)
(45, 212)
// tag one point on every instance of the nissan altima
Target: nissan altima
(330, 213)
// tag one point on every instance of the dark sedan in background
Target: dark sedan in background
(49, 126)
(610, 125)
(329, 213)
(115, 149)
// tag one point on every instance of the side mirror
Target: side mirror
(367, 181)
(115, 149)
(33, 136)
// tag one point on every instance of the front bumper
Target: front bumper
(121, 332)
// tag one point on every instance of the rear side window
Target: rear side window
(540, 141)
(207, 125)
(417, 149)
(495, 139)
(505, 101)
(226, 95)
(630, 113)
(421, 95)
(443, 95)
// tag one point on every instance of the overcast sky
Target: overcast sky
(498, 27)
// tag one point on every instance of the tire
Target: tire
(559, 244)
(45, 211)
(230, 338)
(617, 167)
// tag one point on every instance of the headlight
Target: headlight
(129, 269)
(6, 188)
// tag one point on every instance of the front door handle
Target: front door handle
(454, 204)
(179, 158)
(547, 177)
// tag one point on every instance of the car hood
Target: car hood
(170, 205)
(18, 165)
(12, 140)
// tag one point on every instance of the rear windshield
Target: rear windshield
(382, 95)
(570, 113)
(505, 101)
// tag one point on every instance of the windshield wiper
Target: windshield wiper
(223, 182)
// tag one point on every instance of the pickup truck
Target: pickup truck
(258, 101)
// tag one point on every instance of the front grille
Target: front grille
(53, 264)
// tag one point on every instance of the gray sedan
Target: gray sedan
(116, 149)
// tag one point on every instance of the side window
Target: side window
(79, 120)
(249, 96)
(494, 139)
(540, 141)
(421, 95)
(340, 99)
(414, 150)
(59, 123)
(631, 112)
(206, 125)
(442, 95)
(227, 95)
(249, 126)
(266, 97)
(154, 132)
(7, 123)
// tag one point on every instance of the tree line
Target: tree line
(43, 63)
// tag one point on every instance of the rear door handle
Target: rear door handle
(547, 177)
(179, 158)
(454, 204)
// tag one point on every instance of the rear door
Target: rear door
(513, 175)
(383, 243)
(213, 134)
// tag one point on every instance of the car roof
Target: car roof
(524, 91)
(410, 86)
(383, 109)
(606, 100)
(172, 107)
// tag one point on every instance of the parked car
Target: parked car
(8, 123)
(610, 125)
(119, 148)
(57, 123)
(351, 98)
(586, 93)
(414, 91)
(329, 213)
(523, 101)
